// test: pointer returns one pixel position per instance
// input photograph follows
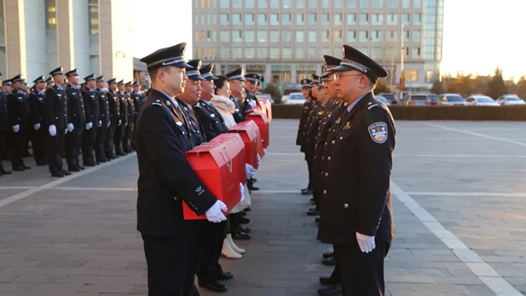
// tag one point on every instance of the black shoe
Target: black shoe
(89, 164)
(4, 172)
(252, 188)
(312, 199)
(66, 173)
(73, 169)
(18, 169)
(243, 220)
(306, 191)
(82, 168)
(328, 255)
(247, 209)
(226, 276)
(332, 290)
(215, 286)
(241, 235)
(242, 214)
(57, 174)
(254, 180)
(41, 163)
(327, 280)
(26, 167)
(331, 261)
(313, 212)
(101, 160)
(317, 220)
(244, 229)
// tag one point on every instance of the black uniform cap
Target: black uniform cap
(331, 62)
(100, 78)
(50, 80)
(206, 72)
(40, 79)
(120, 82)
(194, 73)
(253, 77)
(135, 83)
(7, 82)
(17, 78)
(89, 77)
(169, 56)
(237, 74)
(129, 83)
(72, 73)
(354, 59)
(111, 81)
(315, 79)
(306, 83)
(57, 71)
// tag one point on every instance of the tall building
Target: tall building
(285, 40)
(37, 36)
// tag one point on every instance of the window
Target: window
(274, 53)
(249, 3)
(364, 50)
(377, 53)
(325, 4)
(411, 75)
(274, 36)
(250, 53)
(224, 36)
(274, 19)
(417, 3)
(351, 3)
(224, 3)
(286, 53)
(392, 36)
(405, 18)
(312, 18)
(325, 19)
(378, 3)
(416, 53)
(262, 36)
(351, 19)
(224, 53)
(417, 19)
(236, 19)
(299, 19)
(406, 3)
(236, 3)
(392, 19)
(249, 19)
(364, 3)
(286, 36)
(287, 4)
(262, 18)
(364, 18)
(300, 36)
(312, 3)
(377, 36)
(93, 18)
(378, 19)
(416, 36)
(286, 19)
(237, 53)
(337, 35)
(300, 53)
(223, 18)
(337, 19)
(392, 3)
(262, 53)
(351, 36)
(236, 36)
(338, 4)
(364, 36)
(325, 36)
(274, 3)
(262, 3)
(249, 36)
(312, 53)
(312, 36)
(300, 3)
(406, 36)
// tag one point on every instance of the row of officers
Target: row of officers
(64, 119)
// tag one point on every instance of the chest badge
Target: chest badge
(338, 120)
(179, 123)
(347, 125)
(378, 132)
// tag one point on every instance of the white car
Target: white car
(451, 100)
(295, 99)
(508, 100)
(481, 100)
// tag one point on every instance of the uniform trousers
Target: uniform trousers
(108, 142)
(310, 164)
(126, 141)
(117, 140)
(362, 274)
(18, 146)
(73, 145)
(54, 146)
(88, 154)
(3, 143)
(38, 140)
(100, 141)
(210, 246)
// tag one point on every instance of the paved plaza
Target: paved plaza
(459, 196)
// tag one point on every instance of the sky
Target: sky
(479, 35)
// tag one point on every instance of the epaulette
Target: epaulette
(198, 105)
(158, 103)
(371, 106)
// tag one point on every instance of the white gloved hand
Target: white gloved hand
(259, 160)
(250, 171)
(264, 151)
(215, 213)
(89, 125)
(252, 103)
(100, 123)
(126, 124)
(109, 123)
(52, 130)
(365, 242)
(16, 128)
(242, 188)
(71, 127)
(36, 126)
(120, 122)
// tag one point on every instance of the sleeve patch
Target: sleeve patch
(378, 132)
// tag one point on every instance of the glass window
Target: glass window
(392, 36)
(286, 36)
(378, 3)
(351, 36)
(214, 19)
(224, 36)
(337, 35)
(364, 3)
(274, 36)
(249, 19)
(299, 19)
(378, 19)
(417, 19)
(377, 36)
(392, 3)
(406, 36)
(262, 53)
(274, 19)
(236, 19)
(224, 18)
(262, 3)
(312, 53)
(249, 36)
(377, 53)
(287, 4)
(312, 36)
(274, 53)
(236, 3)
(286, 53)
(237, 52)
(351, 3)
(262, 36)
(337, 19)
(364, 36)
(274, 3)
(325, 19)
(364, 50)
(224, 3)
(312, 3)
(236, 36)
(325, 51)
(405, 18)
(325, 4)
(338, 4)
(286, 18)
(406, 3)
(93, 19)
(416, 36)
(249, 3)
(325, 35)
(262, 18)
(417, 3)
(300, 3)
(299, 53)
(411, 75)
(250, 53)
(364, 18)
(392, 19)
(224, 53)
(312, 18)
(416, 53)
(300, 36)
(351, 19)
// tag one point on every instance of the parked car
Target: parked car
(480, 100)
(433, 99)
(265, 96)
(390, 97)
(294, 98)
(451, 100)
(508, 100)
(383, 99)
(417, 100)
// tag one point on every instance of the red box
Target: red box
(264, 127)
(220, 165)
(249, 132)
(267, 107)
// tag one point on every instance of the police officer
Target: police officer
(115, 118)
(18, 106)
(250, 89)
(57, 119)
(237, 93)
(356, 209)
(93, 121)
(162, 139)
(129, 129)
(306, 85)
(37, 107)
(104, 112)
(4, 126)
(76, 123)
(123, 119)
(138, 101)
(210, 119)
(49, 82)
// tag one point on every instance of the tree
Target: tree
(381, 87)
(438, 87)
(521, 87)
(273, 91)
(497, 87)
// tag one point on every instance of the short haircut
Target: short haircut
(153, 73)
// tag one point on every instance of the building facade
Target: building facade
(285, 40)
(37, 36)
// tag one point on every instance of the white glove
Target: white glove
(242, 188)
(259, 160)
(120, 122)
(71, 127)
(52, 130)
(365, 242)
(252, 103)
(16, 128)
(250, 171)
(36, 126)
(109, 123)
(215, 213)
(264, 151)
(89, 125)
(100, 123)
(126, 124)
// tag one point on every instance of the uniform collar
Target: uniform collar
(349, 108)
(169, 98)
